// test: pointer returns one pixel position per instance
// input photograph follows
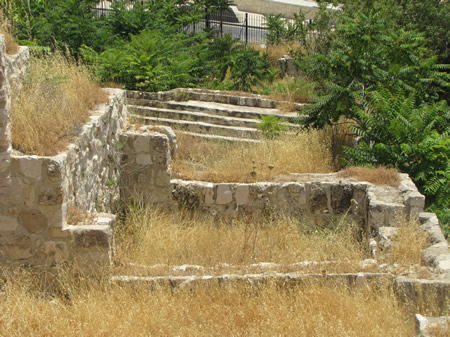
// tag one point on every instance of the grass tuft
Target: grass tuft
(377, 176)
(291, 89)
(52, 105)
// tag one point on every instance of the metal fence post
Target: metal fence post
(221, 24)
(207, 23)
(246, 28)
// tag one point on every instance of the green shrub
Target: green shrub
(272, 126)
(392, 130)
(365, 54)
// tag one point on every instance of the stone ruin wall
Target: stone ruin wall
(112, 161)
(36, 192)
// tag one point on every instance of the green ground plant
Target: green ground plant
(271, 126)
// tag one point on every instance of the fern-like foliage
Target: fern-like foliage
(393, 131)
(364, 54)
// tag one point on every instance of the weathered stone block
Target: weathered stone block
(318, 201)
(341, 196)
(31, 167)
(34, 221)
(241, 195)
(49, 197)
(8, 223)
(224, 194)
(54, 171)
(56, 252)
(296, 192)
(87, 236)
(209, 194)
(17, 247)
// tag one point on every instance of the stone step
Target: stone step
(352, 280)
(199, 127)
(212, 108)
(194, 116)
(218, 138)
(217, 96)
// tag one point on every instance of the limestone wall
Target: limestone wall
(5, 134)
(36, 192)
(84, 178)
(318, 197)
(145, 171)
(17, 65)
(91, 172)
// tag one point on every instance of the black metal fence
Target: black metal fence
(249, 28)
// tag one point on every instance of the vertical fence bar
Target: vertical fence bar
(246, 28)
(221, 24)
(207, 23)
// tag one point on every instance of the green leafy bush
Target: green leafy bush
(393, 131)
(365, 54)
(272, 126)
(151, 62)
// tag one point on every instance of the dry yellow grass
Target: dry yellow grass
(5, 29)
(377, 176)
(54, 102)
(28, 308)
(151, 237)
(408, 245)
(307, 152)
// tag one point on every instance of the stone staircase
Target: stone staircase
(210, 114)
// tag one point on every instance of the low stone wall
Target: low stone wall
(205, 95)
(319, 197)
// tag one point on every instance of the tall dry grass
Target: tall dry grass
(53, 104)
(154, 236)
(28, 308)
(306, 152)
(408, 245)
(5, 29)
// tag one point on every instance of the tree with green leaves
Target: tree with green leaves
(364, 54)
(393, 130)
